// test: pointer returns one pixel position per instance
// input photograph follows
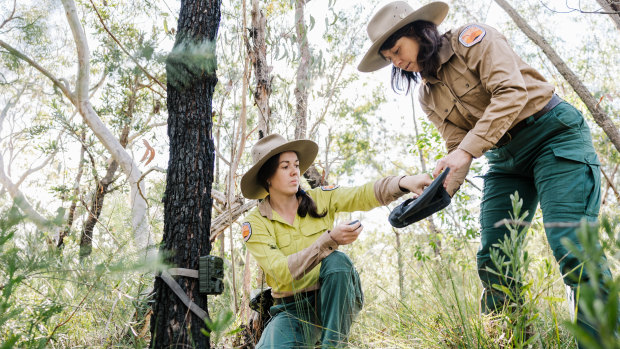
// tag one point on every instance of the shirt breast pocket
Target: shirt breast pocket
(314, 227)
(283, 239)
(441, 106)
(469, 89)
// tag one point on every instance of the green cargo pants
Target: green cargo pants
(325, 316)
(551, 161)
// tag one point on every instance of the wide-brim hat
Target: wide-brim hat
(391, 18)
(267, 147)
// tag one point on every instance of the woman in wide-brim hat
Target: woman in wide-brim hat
(484, 99)
(292, 236)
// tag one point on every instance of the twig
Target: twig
(472, 183)
(219, 155)
(611, 184)
(546, 225)
(123, 48)
(57, 82)
(154, 168)
(10, 16)
(98, 221)
(598, 12)
(69, 318)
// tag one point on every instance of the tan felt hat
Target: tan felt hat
(389, 19)
(267, 147)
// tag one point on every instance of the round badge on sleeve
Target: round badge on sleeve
(329, 187)
(246, 231)
(471, 35)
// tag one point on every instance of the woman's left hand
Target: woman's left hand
(458, 161)
(415, 184)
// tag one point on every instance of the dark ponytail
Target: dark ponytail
(306, 205)
(429, 39)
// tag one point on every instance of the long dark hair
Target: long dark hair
(306, 206)
(429, 39)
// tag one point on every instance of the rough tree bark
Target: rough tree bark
(613, 7)
(582, 91)
(303, 78)
(313, 176)
(187, 200)
(258, 54)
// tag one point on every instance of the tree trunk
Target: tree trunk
(187, 200)
(74, 199)
(12, 188)
(613, 7)
(303, 78)
(80, 98)
(314, 177)
(400, 264)
(582, 91)
(101, 189)
(258, 54)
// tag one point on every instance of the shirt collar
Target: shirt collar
(264, 207)
(445, 53)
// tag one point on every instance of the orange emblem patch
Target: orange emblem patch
(471, 35)
(246, 231)
(329, 187)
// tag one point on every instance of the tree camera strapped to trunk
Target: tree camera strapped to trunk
(210, 275)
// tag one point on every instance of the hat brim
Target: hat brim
(306, 151)
(434, 12)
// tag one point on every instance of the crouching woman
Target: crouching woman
(292, 235)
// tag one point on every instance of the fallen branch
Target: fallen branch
(223, 221)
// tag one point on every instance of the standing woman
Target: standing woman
(292, 236)
(484, 99)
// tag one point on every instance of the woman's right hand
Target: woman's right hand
(345, 234)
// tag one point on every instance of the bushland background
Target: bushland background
(84, 155)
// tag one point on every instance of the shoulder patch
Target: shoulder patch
(329, 187)
(246, 231)
(471, 35)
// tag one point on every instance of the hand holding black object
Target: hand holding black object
(416, 183)
(344, 234)
(432, 199)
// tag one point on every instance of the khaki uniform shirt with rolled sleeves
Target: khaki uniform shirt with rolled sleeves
(291, 255)
(482, 90)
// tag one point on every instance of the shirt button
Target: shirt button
(466, 85)
(454, 100)
(446, 110)
(330, 248)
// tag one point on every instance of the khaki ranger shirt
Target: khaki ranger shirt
(291, 255)
(483, 89)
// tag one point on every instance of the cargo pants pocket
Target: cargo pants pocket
(575, 179)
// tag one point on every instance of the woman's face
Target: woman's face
(286, 179)
(404, 54)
